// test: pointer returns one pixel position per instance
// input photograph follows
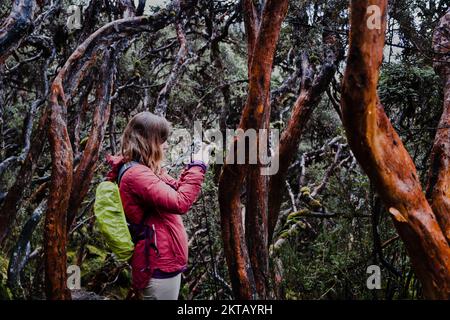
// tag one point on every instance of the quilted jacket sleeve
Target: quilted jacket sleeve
(169, 179)
(153, 190)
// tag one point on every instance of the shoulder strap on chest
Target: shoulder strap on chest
(124, 168)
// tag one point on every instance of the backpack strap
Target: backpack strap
(124, 168)
(140, 231)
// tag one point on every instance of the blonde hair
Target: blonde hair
(143, 138)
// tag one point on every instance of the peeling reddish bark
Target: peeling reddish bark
(438, 190)
(55, 236)
(256, 231)
(254, 116)
(383, 157)
(85, 170)
(251, 23)
(16, 27)
(256, 184)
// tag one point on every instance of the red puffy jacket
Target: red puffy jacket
(163, 200)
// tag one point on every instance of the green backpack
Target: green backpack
(110, 218)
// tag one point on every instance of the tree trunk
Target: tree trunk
(438, 190)
(383, 157)
(55, 236)
(86, 168)
(254, 116)
(256, 184)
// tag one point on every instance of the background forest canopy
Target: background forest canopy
(317, 225)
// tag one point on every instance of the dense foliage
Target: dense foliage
(332, 223)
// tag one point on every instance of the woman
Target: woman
(153, 199)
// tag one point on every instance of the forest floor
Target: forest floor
(86, 295)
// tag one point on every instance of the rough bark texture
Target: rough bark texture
(256, 232)
(55, 236)
(256, 184)
(383, 157)
(251, 23)
(438, 191)
(253, 117)
(16, 27)
(85, 170)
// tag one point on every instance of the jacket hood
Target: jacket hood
(114, 162)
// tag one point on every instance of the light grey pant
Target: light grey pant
(163, 289)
